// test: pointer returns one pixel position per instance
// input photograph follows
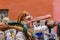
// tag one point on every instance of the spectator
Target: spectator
(51, 25)
(58, 30)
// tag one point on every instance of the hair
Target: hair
(21, 16)
(51, 23)
(46, 22)
(38, 21)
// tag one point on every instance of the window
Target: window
(3, 13)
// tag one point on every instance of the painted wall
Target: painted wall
(34, 7)
(56, 5)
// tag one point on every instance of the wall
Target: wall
(56, 5)
(34, 7)
(56, 8)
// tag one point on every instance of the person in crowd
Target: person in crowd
(40, 30)
(3, 25)
(37, 28)
(13, 33)
(51, 24)
(58, 30)
(45, 31)
(2, 37)
(20, 36)
(8, 35)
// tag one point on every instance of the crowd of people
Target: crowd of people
(34, 28)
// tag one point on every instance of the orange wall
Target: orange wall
(34, 7)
